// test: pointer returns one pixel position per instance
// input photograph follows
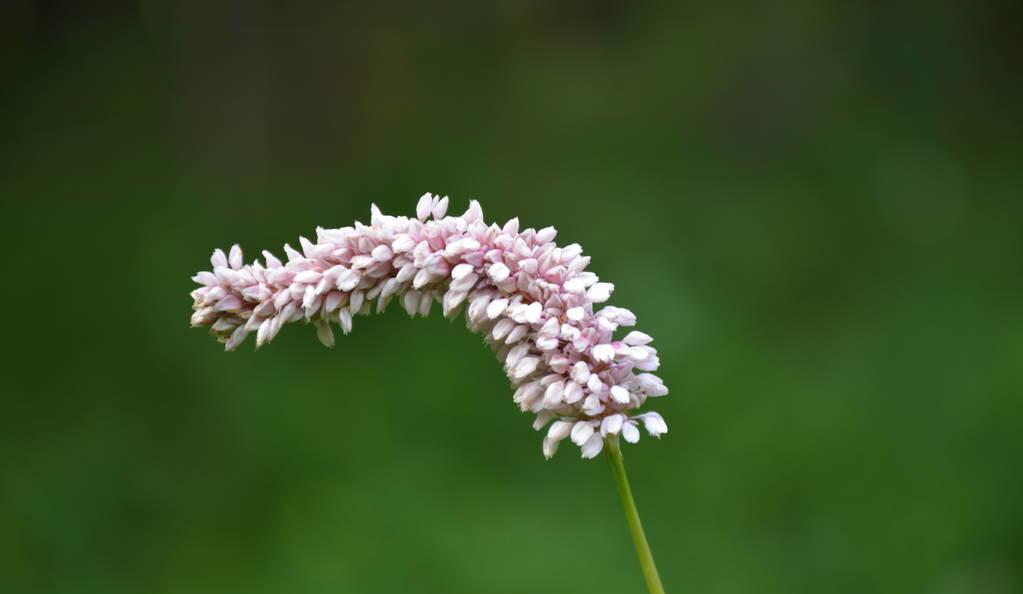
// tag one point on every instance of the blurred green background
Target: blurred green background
(814, 207)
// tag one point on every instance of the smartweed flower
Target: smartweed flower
(534, 302)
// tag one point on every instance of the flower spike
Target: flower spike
(534, 303)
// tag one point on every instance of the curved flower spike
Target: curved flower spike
(534, 303)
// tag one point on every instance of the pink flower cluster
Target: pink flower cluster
(534, 303)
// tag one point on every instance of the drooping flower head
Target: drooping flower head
(534, 302)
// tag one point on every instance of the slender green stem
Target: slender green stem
(646, 558)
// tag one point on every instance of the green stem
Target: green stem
(646, 558)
